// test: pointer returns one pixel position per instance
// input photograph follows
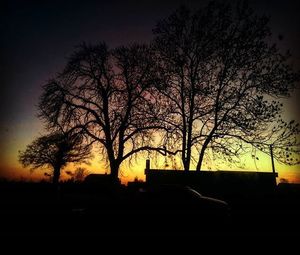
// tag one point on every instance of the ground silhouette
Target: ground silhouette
(79, 208)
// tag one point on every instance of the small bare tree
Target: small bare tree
(78, 175)
(55, 151)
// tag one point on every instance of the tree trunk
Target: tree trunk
(198, 169)
(114, 171)
(190, 127)
(186, 165)
(56, 175)
(188, 151)
(183, 148)
(201, 156)
(113, 162)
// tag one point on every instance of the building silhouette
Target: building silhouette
(215, 182)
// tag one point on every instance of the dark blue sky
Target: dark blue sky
(37, 37)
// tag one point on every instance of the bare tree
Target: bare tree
(55, 151)
(78, 175)
(108, 95)
(222, 82)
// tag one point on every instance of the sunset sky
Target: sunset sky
(38, 36)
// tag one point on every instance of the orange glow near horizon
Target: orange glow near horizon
(135, 170)
(23, 134)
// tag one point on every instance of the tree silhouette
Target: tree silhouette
(55, 150)
(78, 175)
(108, 95)
(222, 82)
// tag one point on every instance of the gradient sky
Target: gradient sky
(38, 36)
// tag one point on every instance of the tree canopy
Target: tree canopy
(222, 82)
(108, 95)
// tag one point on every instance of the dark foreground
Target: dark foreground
(38, 209)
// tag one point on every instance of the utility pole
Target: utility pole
(272, 159)
(273, 165)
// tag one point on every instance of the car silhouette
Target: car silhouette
(159, 208)
(176, 207)
(152, 208)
